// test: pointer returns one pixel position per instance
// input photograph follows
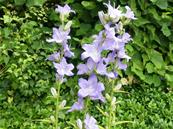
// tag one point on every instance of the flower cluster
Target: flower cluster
(89, 123)
(104, 55)
(61, 36)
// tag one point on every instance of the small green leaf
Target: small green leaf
(141, 21)
(7, 19)
(153, 1)
(84, 28)
(150, 67)
(163, 4)
(156, 58)
(169, 68)
(89, 4)
(169, 77)
(35, 2)
(166, 30)
(19, 2)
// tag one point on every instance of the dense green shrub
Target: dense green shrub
(26, 76)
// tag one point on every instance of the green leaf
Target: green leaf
(19, 2)
(7, 19)
(153, 79)
(35, 2)
(150, 67)
(84, 28)
(98, 27)
(89, 4)
(166, 30)
(154, 13)
(138, 73)
(156, 58)
(153, 1)
(163, 4)
(169, 68)
(141, 21)
(169, 77)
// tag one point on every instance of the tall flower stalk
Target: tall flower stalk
(60, 36)
(104, 57)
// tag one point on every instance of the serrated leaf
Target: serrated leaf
(166, 30)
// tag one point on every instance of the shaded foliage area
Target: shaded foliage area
(26, 76)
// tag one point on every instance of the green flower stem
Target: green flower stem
(110, 108)
(57, 105)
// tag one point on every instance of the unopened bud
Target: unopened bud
(52, 118)
(63, 103)
(79, 123)
(102, 17)
(117, 87)
(53, 91)
(68, 25)
(113, 101)
(108, 97)
(124, 81)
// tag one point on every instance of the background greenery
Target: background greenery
(26, 76)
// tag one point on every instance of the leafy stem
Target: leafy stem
(57, 104)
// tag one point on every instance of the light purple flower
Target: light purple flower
(125, 38)
(63, 68)
(121, 54)
(67, 52)
(113, 13)
(99, 67)
(64, 10)
(60, 35)
(60, 78)
(79, 105)
(102, 17)
(120, 65)
(86, 68)
(111, 42)
(129, 13)
(110, 58)
(91, 50)
(53, 57)
(102, 70)
(91, 88)
(90, 122)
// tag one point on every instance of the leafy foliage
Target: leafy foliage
(26, 76)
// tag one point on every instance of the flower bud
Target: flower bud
(53, 91)
(124, 81)
(63, 103)
(117, 87)
(113, 101)
(79, 123)
(68, 25)
(52, 118)
(102, 17)
(108, 97)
